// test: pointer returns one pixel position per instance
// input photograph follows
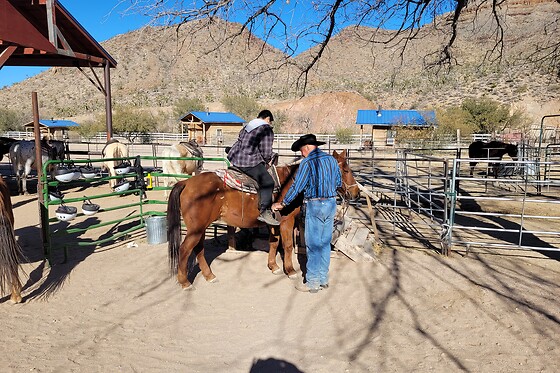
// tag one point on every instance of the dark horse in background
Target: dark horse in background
(491, 150)
(5, 143)
(205, 198)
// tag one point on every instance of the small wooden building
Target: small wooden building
(208, 127)
(384, 123)
(56, 129)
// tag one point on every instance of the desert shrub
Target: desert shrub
(344, 135)
(243, 106)
(185, 105)
(132, 123)
(11, 120)
(486, 115)
(89, 128)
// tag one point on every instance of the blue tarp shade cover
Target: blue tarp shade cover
(396, 118)
(54, 123)
(215, 117)
(58, 123)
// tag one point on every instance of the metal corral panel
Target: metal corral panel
(396, 117)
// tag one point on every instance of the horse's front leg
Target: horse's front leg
(26, 173)
(287, 234)
(203, 264)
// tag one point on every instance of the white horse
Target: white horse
(187, 167)
(113, 149)
(22, 156)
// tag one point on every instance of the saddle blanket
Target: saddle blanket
(236, 179)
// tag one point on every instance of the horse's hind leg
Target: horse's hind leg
(190, 241)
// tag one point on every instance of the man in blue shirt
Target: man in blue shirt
(319, 177)
(251, 153)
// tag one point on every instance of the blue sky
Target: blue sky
(97, 17)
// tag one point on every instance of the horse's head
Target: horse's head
(349, 188)
(512, 151)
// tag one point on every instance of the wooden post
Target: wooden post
(39, 166)
(108, 104)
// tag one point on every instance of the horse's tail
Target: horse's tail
(10, 254)
(174, 226)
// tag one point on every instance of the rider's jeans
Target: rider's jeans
(319, 219)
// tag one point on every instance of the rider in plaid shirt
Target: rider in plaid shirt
(251, 153)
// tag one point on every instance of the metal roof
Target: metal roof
(396, 118)
(54, 123)
(43, 33)
(212, 117)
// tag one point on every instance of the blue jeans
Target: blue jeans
(319, 219)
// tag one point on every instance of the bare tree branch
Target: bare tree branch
(293, 25)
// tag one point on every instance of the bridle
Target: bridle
(345, 194)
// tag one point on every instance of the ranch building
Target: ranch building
(384, 123)
(56, 129)
(208, 127)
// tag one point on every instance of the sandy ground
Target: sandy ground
(115, 309)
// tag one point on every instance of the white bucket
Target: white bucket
(156, 229)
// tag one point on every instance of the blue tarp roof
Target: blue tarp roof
(215, 117)
(55, 123)
(396, 117)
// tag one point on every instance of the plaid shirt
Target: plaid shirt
(318, 176)
(252, 148)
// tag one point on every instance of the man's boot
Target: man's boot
(267, 217)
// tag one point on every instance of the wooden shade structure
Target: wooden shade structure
(44, 33)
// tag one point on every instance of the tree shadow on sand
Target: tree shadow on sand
(43, 286)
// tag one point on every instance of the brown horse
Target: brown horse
(10, 251)
(205, 198)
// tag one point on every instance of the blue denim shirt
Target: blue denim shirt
(318, 176)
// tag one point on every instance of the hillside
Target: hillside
(156, 66)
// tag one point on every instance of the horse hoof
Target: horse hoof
(278, 271)
(16, 300)
(188, 287)
(212, 280)
(293, 276)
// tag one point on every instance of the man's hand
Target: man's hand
(277, 206)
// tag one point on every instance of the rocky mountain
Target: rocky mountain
(157, 66)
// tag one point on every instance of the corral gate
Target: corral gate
(434, 199)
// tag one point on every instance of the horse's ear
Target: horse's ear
(335, 153)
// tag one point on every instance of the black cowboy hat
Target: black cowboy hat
(308, 139)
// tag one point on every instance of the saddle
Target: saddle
(237, 179)
(195, 150)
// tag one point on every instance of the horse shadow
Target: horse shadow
(247, 240)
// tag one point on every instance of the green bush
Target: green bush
(344, 135)
(243, 106)
(132, 123)
(11, 120)
(185, 105)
